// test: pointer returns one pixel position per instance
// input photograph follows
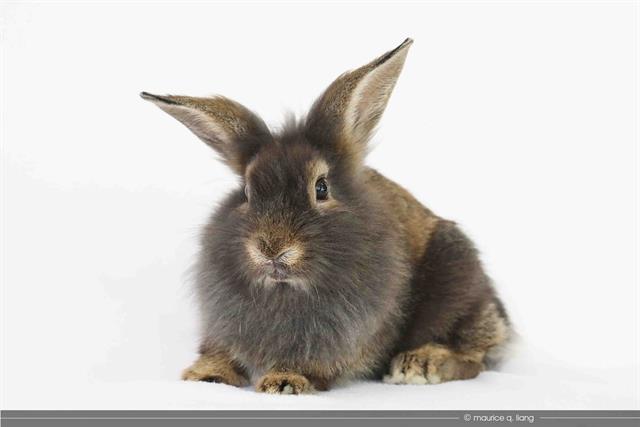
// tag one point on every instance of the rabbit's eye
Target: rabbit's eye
(322, 189)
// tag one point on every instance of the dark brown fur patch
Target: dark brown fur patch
(453, 302)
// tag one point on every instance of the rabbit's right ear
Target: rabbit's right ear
(231, 129)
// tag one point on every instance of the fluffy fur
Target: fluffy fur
(296, 292)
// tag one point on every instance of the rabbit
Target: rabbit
(317, 269)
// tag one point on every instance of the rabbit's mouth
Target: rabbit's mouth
(287, 280)
(276, 271)
(274, 274)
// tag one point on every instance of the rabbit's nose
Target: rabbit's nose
(273, 262)
(269, 253)
(282, 259)
(268, 249)
(290, 255)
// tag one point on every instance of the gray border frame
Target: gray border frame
(461, 418)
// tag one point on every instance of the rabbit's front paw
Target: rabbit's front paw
(214, 369)
(433, 364)
(284, 383)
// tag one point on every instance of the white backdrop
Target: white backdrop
(518, 120)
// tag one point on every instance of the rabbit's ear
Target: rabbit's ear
(231, 129)
(347, 113)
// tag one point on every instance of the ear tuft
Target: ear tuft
(228, 127)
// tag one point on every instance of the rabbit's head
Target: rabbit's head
(304, 210)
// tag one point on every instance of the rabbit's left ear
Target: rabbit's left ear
(346, 115)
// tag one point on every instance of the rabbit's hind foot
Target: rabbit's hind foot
(433, 364)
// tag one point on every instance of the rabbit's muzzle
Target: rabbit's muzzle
(273, 261)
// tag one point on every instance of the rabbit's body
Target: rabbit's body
(322, 269)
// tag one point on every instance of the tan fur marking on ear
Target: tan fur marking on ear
(198, 121)
(231, 116)
(370, 96)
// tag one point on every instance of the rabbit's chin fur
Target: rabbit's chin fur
(294, 283)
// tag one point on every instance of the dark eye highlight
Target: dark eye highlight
(322, 189)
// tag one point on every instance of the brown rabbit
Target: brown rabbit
(317, 268)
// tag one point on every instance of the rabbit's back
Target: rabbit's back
(412, 221)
